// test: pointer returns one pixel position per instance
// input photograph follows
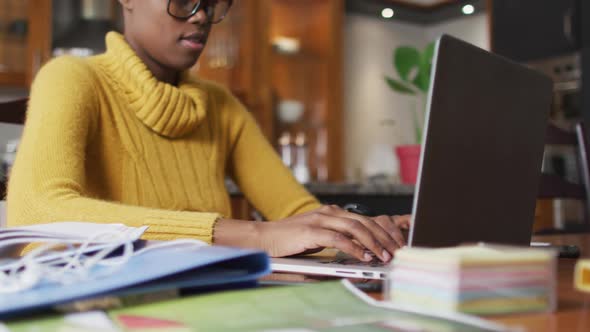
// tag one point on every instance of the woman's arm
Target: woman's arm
(47, 183)
(304, 224)
(259, 172)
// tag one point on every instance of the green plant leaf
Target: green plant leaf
(413, 68)
(429, 52)
(405, 59)
(399, 86)
(417, 128)
(419, 114)
(422, 80)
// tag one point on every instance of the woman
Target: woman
(127, 136)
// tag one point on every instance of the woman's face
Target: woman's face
(174, 43)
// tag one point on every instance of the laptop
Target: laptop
(480, 163)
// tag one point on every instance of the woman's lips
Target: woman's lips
(192, 44)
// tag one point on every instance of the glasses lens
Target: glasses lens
(215, 9)
(182, 8)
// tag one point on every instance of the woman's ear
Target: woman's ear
(127, 4)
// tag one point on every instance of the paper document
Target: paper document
(320, 307)
(327, 306)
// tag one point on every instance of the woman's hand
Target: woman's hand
(395, 225)
(328, 226)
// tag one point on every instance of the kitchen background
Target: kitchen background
(313, 71)
(372, 113)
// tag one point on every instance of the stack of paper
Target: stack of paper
(475, 279)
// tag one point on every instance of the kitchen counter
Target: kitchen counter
(329, 188)
(381, 198)
(361, 189)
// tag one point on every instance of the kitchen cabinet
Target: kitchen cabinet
(247, 53)
(235, 57)
(525, 30)
(267, 52)
(309, 72)
(25, 34)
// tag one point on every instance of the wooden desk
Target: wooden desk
(573, 308)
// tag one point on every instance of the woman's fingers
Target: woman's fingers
(353, 233)
(390, 237)
(385, 239)
(403, 221)
(353, 229)
(389, 225)
(384, 236)
(334, 239)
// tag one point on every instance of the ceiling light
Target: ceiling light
(387, 13)
(468, 9)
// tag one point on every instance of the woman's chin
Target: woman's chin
(186, 63)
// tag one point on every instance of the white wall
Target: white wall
(369, 45)
(473, 29)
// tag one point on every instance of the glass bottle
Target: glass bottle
(286, 149)
(300, 168)
(9, 157)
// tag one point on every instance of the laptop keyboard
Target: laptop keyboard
(343, 259)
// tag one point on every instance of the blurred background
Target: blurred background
(337, 86)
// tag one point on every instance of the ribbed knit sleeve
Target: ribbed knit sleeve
(259, 172)
(47, 183)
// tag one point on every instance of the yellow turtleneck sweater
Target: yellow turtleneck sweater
(106, 142)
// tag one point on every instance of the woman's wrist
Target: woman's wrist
(237, 233)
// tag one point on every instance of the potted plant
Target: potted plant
(413, 68)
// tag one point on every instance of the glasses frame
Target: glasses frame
(196, 10)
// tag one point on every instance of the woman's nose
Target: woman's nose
(200, 17)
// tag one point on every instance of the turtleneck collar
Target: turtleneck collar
(171, 111)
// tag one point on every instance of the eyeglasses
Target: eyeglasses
(184, 9)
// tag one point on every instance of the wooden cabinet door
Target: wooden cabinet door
(237, 56)
(40, 36)
(240, 55)
(25, 28)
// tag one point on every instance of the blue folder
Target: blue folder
(168, 268)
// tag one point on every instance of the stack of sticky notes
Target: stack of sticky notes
(477, 279)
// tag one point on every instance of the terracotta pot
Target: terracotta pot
(409, 158)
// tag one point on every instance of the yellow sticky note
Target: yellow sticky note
(582, 275)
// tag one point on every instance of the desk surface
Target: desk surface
(573, 308)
